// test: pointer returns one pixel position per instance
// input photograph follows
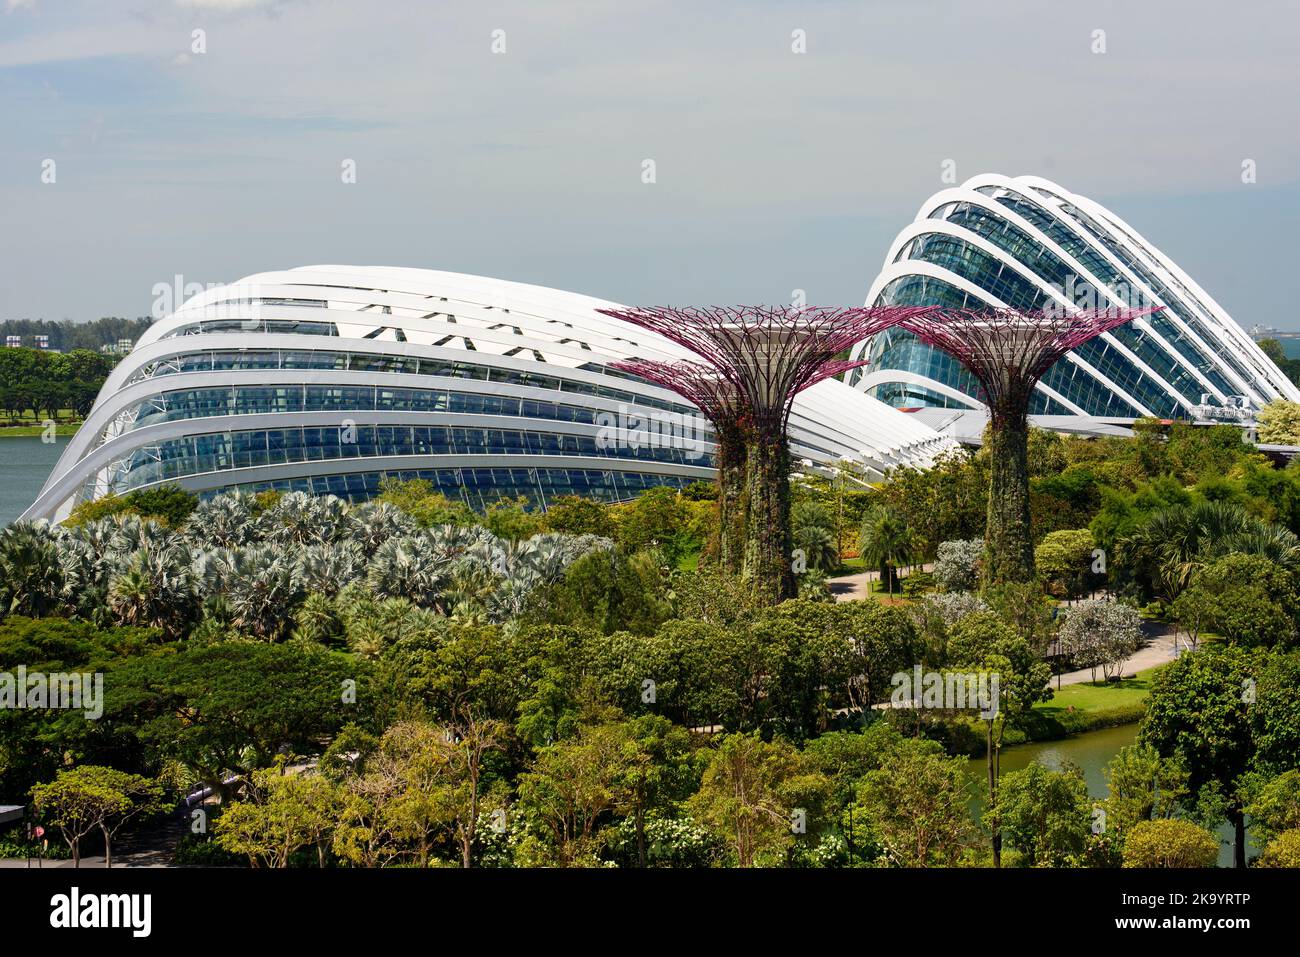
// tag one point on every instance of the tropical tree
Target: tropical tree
(1198, 711)
(1064, 561)
(957, 564)
(572, 792)
(284, 811)
(302, 519)
(156, 588)
(1275, 807)
(982, 642)
(88, 798)
(813, 535)
(1045, 814)
(917, 805)
(885, 542)
(327, 568)
(1282, 851)
(256, 587)
(416, 568)
(745, 797)
(1279, 423)
(1249, 599)
(224, 521)
(31, 571)
(1142, 786)
(1174, 544)
(226, 710)
(1101, 633)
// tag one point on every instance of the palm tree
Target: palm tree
(157, 589)
(303, 519)
(415, 567)
(326, 568)
(85, 575)
(374, 523)
(256, 586)
(1177, 542)
(885, 542)
(812, 530)
(31, 570)
(224, 521)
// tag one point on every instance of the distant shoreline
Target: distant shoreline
(36, 431)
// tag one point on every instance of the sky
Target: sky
(510, 139)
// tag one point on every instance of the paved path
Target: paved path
(1160, 647)
(153, 845)
(851, 587)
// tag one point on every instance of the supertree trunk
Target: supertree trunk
(753, 361)
(767, 543)
(732, 500)
(1008, 540)
(1008, 351)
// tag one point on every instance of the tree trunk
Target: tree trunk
(767, 545)
(108, 847)
(731, 499)
(640, 836)
(996, 835)
(1008, 543)
(1238, 839)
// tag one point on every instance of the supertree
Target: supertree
(1008, 351)
(766, 355)
(720, 402)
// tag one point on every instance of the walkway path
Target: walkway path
(1158, 649)
(1161, 646)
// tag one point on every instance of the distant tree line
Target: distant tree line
(45, 383)
(1275, 351)
(66, 335)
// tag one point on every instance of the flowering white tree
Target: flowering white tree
(1101, 634)
(957, 564)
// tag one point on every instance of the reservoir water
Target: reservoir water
(25, 464)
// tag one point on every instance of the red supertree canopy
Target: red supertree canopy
(706, 389)
(767, 354)
(697, 383)
(1009, 350)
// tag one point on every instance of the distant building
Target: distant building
(13, 342)
(119, 348)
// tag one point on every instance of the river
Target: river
(25, 464)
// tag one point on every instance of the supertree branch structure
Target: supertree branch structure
(1008, 351)
(720, 403)
(767, 355)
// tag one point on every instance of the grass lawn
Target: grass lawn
(33, 431)
(1100, 698)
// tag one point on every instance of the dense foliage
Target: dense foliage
(406, 683)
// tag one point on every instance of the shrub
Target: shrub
(1282, 851)
(1170, 842)
(957, 564)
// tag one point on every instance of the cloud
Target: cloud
(227, 6)
(12, 5)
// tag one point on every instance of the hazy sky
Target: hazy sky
(775, 170)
